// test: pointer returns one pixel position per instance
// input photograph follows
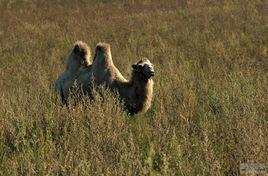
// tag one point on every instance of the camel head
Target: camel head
(82, 53)
(144, 69)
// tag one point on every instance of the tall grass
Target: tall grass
(210, 107)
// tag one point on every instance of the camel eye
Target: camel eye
(140, 67)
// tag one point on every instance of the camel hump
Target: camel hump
(83, 49)
(103, 46)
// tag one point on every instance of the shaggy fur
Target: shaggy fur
(103, 68)
(136, 93)
(84, 81)
(97, 73)
(80, 56)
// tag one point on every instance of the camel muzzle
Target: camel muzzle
(151, 73)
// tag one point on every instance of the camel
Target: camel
(80, 57)
(136, 93)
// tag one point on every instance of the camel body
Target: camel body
(136, 93)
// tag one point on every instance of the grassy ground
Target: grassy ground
(210, 107)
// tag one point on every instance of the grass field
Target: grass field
(210, 107)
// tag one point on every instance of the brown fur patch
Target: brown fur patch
(106, 49)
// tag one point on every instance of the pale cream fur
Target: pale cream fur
(79, 57)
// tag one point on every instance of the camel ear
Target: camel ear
(76, 49)
(134, 66)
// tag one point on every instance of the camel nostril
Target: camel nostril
(151, 73)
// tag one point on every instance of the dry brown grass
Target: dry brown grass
(210, 110)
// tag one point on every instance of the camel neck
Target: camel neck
(140, 86)
(141, 95)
